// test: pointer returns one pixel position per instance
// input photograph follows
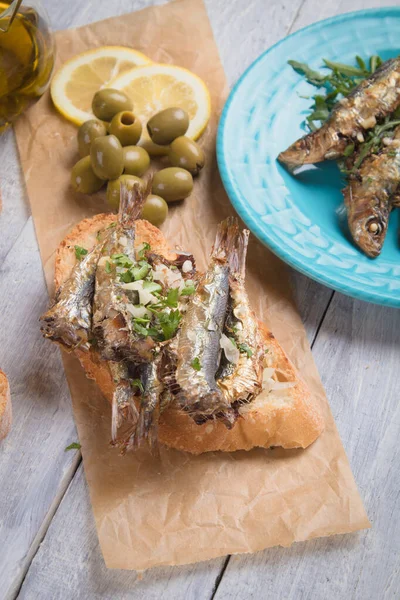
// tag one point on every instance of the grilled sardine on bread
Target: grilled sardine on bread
(283, 414)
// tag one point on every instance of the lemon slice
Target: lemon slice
(155, 87)
(78, 79)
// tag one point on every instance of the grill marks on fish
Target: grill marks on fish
(198, 343)
(371, 195)
(374, 98)
(69, 321)
(241, 382)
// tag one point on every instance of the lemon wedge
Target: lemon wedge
(157, 86)
(78, 79)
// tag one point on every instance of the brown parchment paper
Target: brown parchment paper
(185, 509)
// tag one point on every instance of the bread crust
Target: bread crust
(291, 419)
(5, 406)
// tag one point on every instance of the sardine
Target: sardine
(198, 341)
(69, 320)
(240, 379)
(368, 197)
(374, 98)
(112, 321)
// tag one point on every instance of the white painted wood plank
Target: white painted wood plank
(358, 353)
(69, 564)
(14, 210)
(33, 464)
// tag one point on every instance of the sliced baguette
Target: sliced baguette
(289, 418)
(5, 406)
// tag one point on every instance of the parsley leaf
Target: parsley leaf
(196, 364)
(172, 297)
(137, 383)
(244, 348)
(107, 268)
(169, 322)
(80, 252)
(145, 248)
(188, 290)
(73, 446)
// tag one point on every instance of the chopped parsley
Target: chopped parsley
(80, 252)
(108, 267)
(138, 384)
(73, 446)
(143, 250)
(244, 348)
(172, 297)
(169, 322)
(196, 364)
(188, 290)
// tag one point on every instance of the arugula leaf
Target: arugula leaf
(196, 364)
(312, 76)
(73, 446)
(374, 63)
(343, 69)
(80, 252)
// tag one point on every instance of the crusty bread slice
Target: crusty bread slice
(5, 406)
(279, 417)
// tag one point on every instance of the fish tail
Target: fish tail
(237, 258)
(225, 239)
(131, 204)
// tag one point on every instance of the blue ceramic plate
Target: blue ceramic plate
(302, 218)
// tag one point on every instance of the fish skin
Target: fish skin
(200, 335)
(123, 402)
(241, 382)
(112, 323)
(375, 97)
(369, 197)
(69, 321)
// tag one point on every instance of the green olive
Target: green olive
(87, 132)
(83, 178)
(114, 188)
(167, 125)
(185, 153)
(108, 102)
(172, 184)
(126, 127)
(136, 160)
(107, 157)
(155, 210)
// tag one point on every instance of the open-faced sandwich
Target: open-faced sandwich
(179, 354)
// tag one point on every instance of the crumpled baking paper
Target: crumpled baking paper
(185, 509)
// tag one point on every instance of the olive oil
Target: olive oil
(26, 61)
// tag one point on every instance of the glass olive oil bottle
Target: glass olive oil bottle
(26, 57)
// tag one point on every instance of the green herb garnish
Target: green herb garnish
(172, 297)
(137, 383)
(188, 290)
(80, 252)
(73, 446)
(145, 248)
(107, 268)
(244, 348)
(169, 322)
(196, 364)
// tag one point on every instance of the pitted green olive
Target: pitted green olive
(126, 127)
(83, 178)
(107, 157)
(136, 160)
(114, 188)
(167, 125)
(155, 210)
(185, 153)
(87, 132)
(172, 184)
(108, 102)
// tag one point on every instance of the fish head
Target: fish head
(369, 231)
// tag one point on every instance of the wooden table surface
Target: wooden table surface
(48, 543)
